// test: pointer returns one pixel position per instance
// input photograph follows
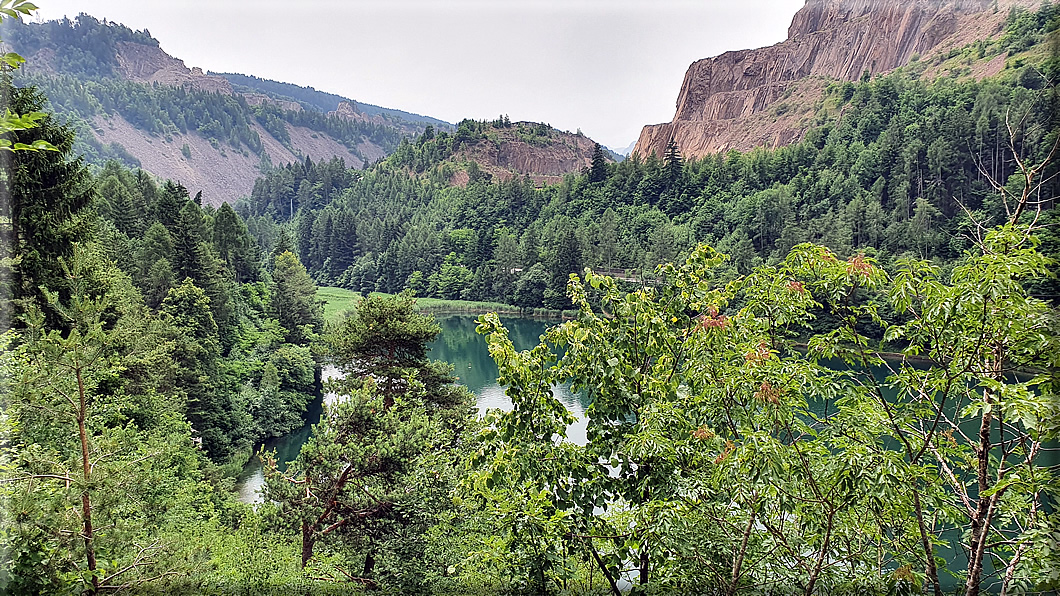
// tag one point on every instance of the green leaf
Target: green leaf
(12, 59)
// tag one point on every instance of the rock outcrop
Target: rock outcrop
(545, 160)
(348, 111)
(733, 101)
(149, 64)
(257, 99)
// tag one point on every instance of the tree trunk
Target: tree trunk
(981, 517)
(307, 543)
(821, 554)
(738, 562)
(1010, 571)
(930, 570)
(86, 469)
(607, 574)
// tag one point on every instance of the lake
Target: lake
(457, 344)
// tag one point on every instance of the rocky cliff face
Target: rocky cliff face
(730, 101)
(505, 155)
(149, 64)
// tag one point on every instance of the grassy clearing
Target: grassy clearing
(339, 300)
(438, 305)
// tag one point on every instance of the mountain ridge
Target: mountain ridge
(129, 99)
(322, 100)
(501, 150)
(218, 133)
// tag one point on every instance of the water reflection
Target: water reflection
(457, 344)
(252, 479)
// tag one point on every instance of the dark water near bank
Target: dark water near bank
(457, 344)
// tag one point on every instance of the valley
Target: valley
(260, 338)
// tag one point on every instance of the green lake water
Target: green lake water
(457, 344)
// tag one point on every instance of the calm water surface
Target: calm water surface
(457, 344)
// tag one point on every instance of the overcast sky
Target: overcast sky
(607, 67)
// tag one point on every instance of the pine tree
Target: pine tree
(197, 354)
(306, 219)
(385, 340)
(166, 208)
(157, 244)
(343, 241)
(567, 260)
(194, 259)
(235, 246)
(283, 243)
(598, 170)
(188, 230)
(122, 205)
(673, 163)
(46, 211)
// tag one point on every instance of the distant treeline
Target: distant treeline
(320, 101)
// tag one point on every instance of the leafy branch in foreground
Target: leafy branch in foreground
(723, 452)
(9, 121)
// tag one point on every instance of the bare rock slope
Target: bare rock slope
(149, 64)
(222, 172)
(515, 152)
(731, 101)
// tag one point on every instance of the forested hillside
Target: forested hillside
(130, 101)
(861, 397)
(320, 101)
(196, 267)
(896, 166)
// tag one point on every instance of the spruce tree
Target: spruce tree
(567, 260)
(197, 354)
(598, 170)
(234, 245)
(46, 211)
(166, 208)
(188, 233)
(673, 163)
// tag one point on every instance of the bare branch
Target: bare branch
(35, 476)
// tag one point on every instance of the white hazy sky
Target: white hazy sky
(607, 67)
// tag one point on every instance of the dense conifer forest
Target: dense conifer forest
(828, 368)
(896, 167)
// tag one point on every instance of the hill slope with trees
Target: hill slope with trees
(321, 101)
(896, 165)
(131, 101)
